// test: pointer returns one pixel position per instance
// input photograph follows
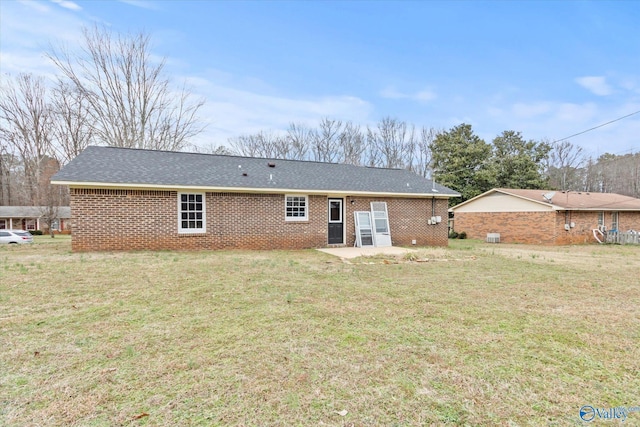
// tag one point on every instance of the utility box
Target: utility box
(493, 237)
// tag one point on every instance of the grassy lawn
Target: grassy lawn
(478, 335)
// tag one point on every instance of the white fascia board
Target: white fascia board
(119, 186)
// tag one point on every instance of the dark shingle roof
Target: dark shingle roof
(578, 200)
(130, 167)
(564, 200)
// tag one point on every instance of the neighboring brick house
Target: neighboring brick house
(30, 218)
(131, 199)
(545, 217)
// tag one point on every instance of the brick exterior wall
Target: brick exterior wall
(407, 220)
(514, 227)
(148, 220)
(582, 233)
(628, 221)
(546, 228)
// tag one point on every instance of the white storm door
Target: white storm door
(364, 229)
(381, 223)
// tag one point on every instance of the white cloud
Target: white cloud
(630, 83)
(425, 95)
(391, 93)
(235, 105)
(231, 112)
(529, 111)
(67, 4)
(595, 84)
(576, 113)
(35, 5)
(28, 29)
(144, 4)
(551, 121)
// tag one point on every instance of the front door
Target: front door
(336, 223)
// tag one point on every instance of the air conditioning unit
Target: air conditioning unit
(493, 237)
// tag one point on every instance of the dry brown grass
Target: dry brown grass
(512, 335)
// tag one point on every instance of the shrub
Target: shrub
(453, 235)
(410, 256)
(462, 235)
(36, 232)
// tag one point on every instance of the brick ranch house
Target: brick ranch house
(30, 218)
(545, 217)
(132, 199)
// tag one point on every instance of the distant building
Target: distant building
(30, 218)
(545, 217)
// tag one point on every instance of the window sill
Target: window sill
(191, 233)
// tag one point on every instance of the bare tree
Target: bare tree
(8, 162)
(26, 125)
(395, 142)
(325, 141)
(211, 149)
(564, 168)
(353, 144)
(261, 144)
(72, 126)
(131, 103)
(299, 140)
(422, 153)
(51, 197)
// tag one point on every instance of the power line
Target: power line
(596, 127)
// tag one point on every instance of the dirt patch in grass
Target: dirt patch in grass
(300, 338)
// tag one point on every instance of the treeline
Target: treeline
(456, 157)
(111, 93)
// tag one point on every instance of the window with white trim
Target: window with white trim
(30, 224)
(614, 221)
(3, 224)
(296, 208)
(191, 213)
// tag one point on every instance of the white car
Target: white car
(15, 236)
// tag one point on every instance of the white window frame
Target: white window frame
(615, 221)
(200, 230)
(289, 209)
(30, 224)
(339, 220)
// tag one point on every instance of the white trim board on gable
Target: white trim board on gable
(500, 202)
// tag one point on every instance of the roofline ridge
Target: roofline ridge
(250, 157)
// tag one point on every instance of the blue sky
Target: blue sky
(548, 69)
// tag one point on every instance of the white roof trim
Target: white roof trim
(495, 190)
(275, 190)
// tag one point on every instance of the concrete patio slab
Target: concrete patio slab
(356, 252)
